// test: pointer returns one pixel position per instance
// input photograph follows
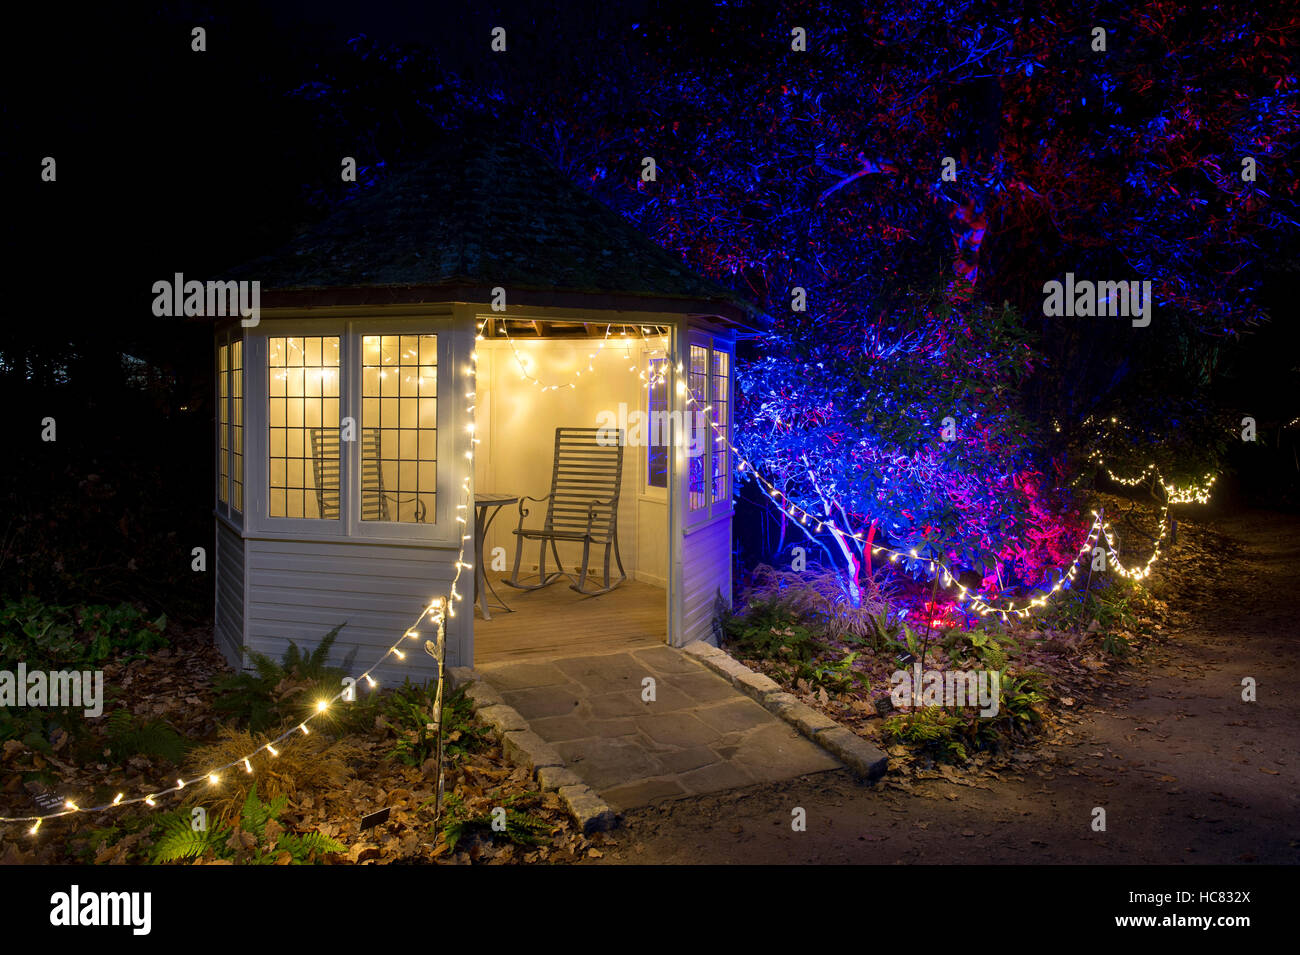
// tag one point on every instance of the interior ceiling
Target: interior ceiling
(520, 328)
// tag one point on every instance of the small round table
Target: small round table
(486, 507)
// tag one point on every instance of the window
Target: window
(697, 380)
(230, 420)
(708, 376)
(223, 422)
(303, 421)
(657, 414)
(399, 434)
(237, 425)
(719, 453)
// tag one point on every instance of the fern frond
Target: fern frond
(179, 840)
(303, 845)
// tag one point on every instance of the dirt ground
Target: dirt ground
(1186, 771)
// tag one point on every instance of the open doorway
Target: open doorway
(534, 377)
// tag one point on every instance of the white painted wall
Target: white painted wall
(300, 590)
(228, 611)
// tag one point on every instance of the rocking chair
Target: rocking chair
(325, 468)
(586, 478)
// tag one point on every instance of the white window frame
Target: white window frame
(441, 524)
(711, 509)
(442, 528)
(648, 490)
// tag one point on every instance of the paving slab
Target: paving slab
(543, 701)
(700, 685)
(518, 676)
(604, 763)
(560, 729)
(734, 715)
(700, 734)
(666, 660)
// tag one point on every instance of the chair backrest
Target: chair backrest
(325, 467)
(584, 471)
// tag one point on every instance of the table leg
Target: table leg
(488, 589)
(480, 573)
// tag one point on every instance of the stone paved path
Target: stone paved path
(699, 735)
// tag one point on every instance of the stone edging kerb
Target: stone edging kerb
(525, 748)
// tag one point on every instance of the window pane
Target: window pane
(719, 435)
(237, 425)
(697, 380)
(399, 427)
(303, 439)
(657, 440)
(223, 421)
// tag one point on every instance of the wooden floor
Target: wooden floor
(557, 621)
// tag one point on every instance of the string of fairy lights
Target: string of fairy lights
(653, 379)
(1197, 492)
(441, 608)
(436, 613)
(977, 602)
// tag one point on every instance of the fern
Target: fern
(275, 691)
(256, 814)
(522, 828)
(177, 840)
(180, 840)
(155, 738)
(301, 847)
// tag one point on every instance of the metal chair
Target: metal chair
(586, 479)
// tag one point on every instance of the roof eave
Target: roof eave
(729, 314)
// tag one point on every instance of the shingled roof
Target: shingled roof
(483, 212)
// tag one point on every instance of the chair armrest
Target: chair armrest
(523, 511)
(591, 511)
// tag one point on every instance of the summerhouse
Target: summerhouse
(474, 357)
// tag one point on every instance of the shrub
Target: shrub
(279, 693)
(408, 709)
(47, 636)
(129, 737)
(313, 762)
(521, 828)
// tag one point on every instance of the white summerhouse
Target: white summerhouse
(479, 287)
